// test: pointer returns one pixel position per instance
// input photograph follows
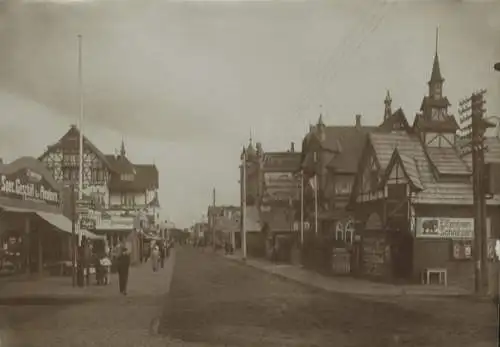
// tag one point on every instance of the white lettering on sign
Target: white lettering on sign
(447, 228)
(27, 191)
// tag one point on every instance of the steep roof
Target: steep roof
(409, 166)
(344, 142)
(71, 140)
(120, 164)
(430, 164)
(146, 177)
(351, 141)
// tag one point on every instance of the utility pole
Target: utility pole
(212, 217)
(244, 203)
(473, 134)
(73, 234)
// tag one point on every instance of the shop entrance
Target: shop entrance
(401, 254)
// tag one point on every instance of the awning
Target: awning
(91, 235)
(63, 223)
(16, 209)
(58, 220)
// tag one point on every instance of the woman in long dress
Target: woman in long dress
(155, 257)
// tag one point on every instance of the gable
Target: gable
(368, 164)
(396, 122)
(70, 144)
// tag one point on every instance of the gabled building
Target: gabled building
(122, 192)
(329, 162)
(412, 195)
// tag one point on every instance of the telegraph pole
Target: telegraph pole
(244, 204)
(473, 133)
(213, 218)
(73, 234)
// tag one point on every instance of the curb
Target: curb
(402, 293)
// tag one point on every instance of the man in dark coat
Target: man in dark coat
(162, 253)
(123, 267)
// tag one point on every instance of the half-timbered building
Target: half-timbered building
(123, 192)
(413, 198)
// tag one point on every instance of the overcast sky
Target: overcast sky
(186, 82)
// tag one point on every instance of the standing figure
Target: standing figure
(123, 267)
(155, 257)
(162, 253)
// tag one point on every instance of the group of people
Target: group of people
(160, 250)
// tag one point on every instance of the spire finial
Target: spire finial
(122, 148)
(320, 119)
(250, 140)
(437, 39)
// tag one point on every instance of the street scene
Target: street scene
(183, 173)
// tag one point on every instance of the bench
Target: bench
(441, 272)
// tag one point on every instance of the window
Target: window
(374, 180)
(349, 232)
(339, 231)
(127, 199)
(66, 174)
(94, 178)
(100, 175)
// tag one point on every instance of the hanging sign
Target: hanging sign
(28, 185)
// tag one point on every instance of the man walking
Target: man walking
(162, 253)
(123, 267)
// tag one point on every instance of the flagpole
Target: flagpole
(244, 205)
(302, 207)
(315, 195)
(80, 129)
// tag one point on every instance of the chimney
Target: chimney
(292, 147)
(358, 121)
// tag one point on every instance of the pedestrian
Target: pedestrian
(162, 253)
(155, 257)
(123, 267)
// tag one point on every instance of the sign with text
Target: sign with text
(27, 184)
(281, 186)
(87, 223)
(445, 228)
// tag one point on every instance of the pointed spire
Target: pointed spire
(122, 148)
(320, 119)
(436, 70)
(388, 105)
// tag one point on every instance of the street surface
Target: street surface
(221, 302)
(51, 312)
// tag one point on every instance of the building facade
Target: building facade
(413, 197)
(124, 195)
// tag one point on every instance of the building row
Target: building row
(397, 196)
(38, 203)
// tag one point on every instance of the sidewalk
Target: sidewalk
(90, 316)
(142, 280)
(347, 285)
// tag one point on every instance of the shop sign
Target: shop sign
(28, 185)
(87, 223)
(445, 228)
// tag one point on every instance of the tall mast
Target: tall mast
(80, 121)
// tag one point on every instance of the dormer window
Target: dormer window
(127, 177)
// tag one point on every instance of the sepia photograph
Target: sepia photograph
(249, 173)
